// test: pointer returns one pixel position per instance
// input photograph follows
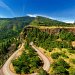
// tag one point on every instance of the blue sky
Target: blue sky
(63, 10)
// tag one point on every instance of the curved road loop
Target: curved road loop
(6, 69)
(46, 61)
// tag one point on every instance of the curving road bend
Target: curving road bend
(46, 61)
(6, 69)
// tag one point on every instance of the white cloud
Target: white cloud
(4, 5)
(68, 21)
(32, 15)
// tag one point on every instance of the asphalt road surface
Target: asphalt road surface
(46, 61)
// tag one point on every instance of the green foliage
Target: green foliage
(11, 27)
(60, 67)
(42, 72)
(71, 51)
(47, 41)
(61, 62)
(60, 70)
(5, 50)
(55, 55)
(28, 62)
(63, 55)
(64, 35)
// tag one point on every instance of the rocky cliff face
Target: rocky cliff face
(53, 30)
(57, 30)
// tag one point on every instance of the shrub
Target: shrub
(54, 65)
(50, 49)
(71, 51)
(17, 69)
(42, 72)
(63, 55)
(55, 55)
(60, 70)
(61, 62)
(60, 67)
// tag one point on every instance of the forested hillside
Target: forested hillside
(10, 29)
(13, 26)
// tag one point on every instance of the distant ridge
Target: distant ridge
(35, 21)
(43, 21)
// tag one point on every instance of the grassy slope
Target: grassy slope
(43, 21)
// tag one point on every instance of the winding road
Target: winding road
(46, 61)
(6, 70)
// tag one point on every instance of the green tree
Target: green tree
(42, 72)
(60, 70)
(55, 55)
